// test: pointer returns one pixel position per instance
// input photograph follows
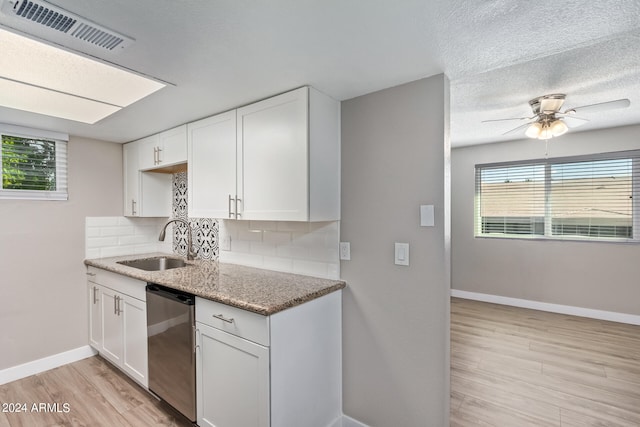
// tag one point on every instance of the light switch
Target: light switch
(426, 216)
(402, 254)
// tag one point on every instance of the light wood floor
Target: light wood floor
(96, 393)
(513, 367)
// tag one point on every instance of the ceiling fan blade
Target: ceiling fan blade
(517, 129)
(601, 106)
(568, 115)
(503, 120)
(574, 122)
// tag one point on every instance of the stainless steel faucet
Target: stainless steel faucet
(190, 253)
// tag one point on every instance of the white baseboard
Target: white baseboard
(612, 316)
(35, 367)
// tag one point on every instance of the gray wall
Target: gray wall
(395, 334)
(43, 284)
(600, 276)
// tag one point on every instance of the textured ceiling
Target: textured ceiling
(498, 54)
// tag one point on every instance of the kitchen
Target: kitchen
(381, 386)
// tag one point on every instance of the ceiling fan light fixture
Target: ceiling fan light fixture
(545, 133)
(534, 130)
(558, 127)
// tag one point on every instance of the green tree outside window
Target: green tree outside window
(28, 164)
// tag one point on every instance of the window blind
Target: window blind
(33, 168)
(589, 197)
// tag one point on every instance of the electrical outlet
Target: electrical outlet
(225, 243)
(345, 251)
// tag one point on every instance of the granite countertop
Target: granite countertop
(261, 291)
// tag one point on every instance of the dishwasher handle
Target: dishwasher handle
(172, 294)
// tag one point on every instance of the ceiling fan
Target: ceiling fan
(548, 121)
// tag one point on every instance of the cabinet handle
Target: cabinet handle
(238, 215)
(115, 305)
(133, 207)
(159, 159)
(229, 206)
(95, 292)
(90, 274)
(119, 311)
(155, 155)
(224, 319)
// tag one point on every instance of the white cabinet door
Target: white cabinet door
(112, 326)
(172, 146)
(95, 316)
(134, 351)
(212, 166)
(163, 149)
(145, 193)
(148, 151)
(131, 179)
(232, 380)
(273, 153)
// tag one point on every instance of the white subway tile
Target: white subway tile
(277, 263)
(240, 246)
(263, 225)
(310, 268)
(333, 271)
(293, 226)
(260, 248)
(250, 235)
(118, 231)
(92, 232)
(276, 237)
(97, 242)
(109, 251)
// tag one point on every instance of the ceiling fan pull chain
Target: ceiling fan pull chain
(546, 148)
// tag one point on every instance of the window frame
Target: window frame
(633, 155)
(61, 141)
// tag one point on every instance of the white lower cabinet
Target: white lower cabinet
(95, 315)
(118, 322)
(258, 371)
(233, 380)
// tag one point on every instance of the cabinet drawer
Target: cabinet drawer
(245, 324)
(118, 282)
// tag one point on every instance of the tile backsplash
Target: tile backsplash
(204, 230)
(118, 235)
(309, 248)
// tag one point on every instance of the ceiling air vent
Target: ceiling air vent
(53, 18)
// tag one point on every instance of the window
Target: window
(34, 164)
(585, 198)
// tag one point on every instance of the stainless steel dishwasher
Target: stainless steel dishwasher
(171, 341)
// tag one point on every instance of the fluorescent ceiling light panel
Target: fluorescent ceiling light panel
(43, 101)
(78, 81)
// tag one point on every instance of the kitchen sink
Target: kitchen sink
(155, 264)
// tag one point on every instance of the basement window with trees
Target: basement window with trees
(34, 164)
(578, 198)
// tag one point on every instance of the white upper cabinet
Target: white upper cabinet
(167, 148)
(212, 166)
(131, 179)
(146, 194)
(273, 176)
(286, 154)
